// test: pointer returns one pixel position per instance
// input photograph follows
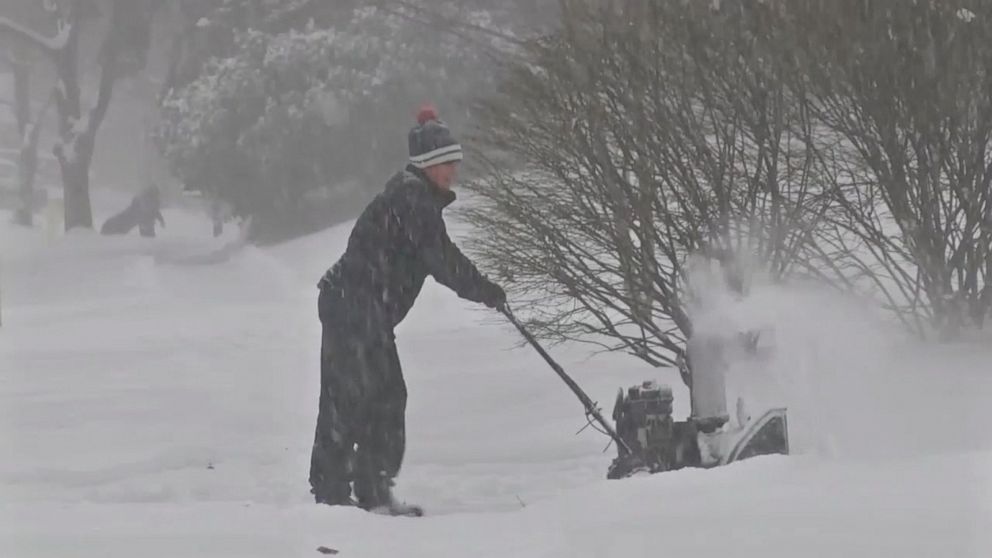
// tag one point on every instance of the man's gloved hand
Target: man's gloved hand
(495, 297)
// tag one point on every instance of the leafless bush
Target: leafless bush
(845, 140)
(905, 86)
(651, 131)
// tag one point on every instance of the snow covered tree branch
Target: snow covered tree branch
(49, 45)
(124, 47)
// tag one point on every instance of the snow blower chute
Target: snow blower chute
(650, 440)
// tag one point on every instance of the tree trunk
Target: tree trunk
(27, 166)
(22, 90)
(79, 137)
(73, 166)
(76, 192)
(27, 161)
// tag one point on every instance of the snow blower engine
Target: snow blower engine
(654, 442)
(649, 440)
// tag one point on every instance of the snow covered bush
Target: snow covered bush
(302, 113)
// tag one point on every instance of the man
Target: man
(397, 241)
(143, 212)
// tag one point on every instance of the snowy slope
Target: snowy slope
(151, 407)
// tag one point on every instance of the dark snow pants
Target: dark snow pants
(360, 434)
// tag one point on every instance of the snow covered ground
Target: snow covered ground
(153, 407)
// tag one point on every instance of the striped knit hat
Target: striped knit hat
(431, 142)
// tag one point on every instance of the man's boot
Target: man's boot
(336, 494)
(395, 507)
(376, 495)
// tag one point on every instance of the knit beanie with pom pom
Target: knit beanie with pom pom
(431, 142)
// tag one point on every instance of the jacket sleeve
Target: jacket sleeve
(445, 262)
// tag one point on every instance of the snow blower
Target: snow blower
(648, 438)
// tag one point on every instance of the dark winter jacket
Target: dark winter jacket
(396, 243)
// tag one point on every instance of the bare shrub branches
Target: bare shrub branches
(844, 141)
(647, 142)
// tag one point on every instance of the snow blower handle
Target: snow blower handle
(591, 409)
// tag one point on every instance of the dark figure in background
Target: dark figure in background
(144, 211)
(398, 241)
(220, 213)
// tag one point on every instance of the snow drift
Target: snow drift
(157, 409)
